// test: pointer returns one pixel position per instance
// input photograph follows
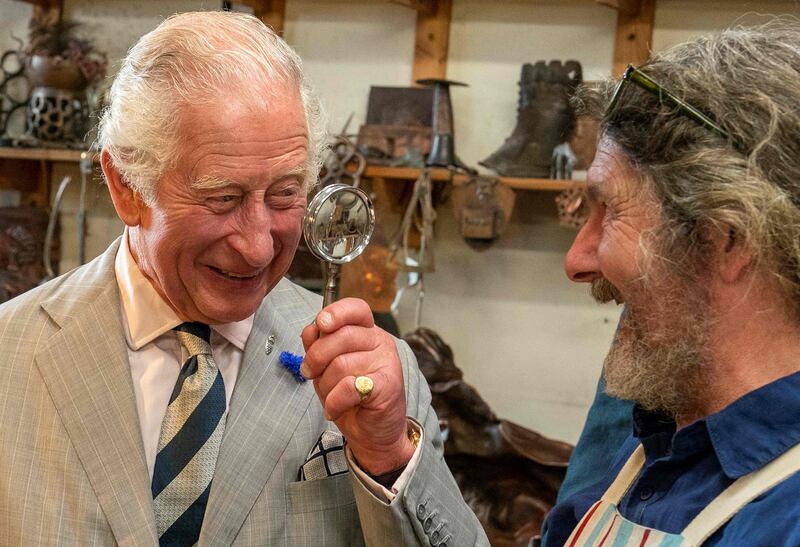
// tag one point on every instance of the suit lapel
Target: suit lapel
(85, 368)
(265, 408)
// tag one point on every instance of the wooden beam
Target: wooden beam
(634, 37)
(431, 42)
(46, 3)
(427, 7)
(271, 12)
(628, 7)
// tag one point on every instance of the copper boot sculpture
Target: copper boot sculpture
(544, 120)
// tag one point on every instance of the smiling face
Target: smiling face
(227, 218)
(660, 349)
(609, 246)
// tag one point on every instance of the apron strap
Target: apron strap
(740, 493)
(626, 477)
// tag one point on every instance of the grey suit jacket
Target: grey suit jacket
(72, 464)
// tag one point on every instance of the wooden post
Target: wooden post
(634, 34)
(274, 16)
(432, 41)
(271, 12)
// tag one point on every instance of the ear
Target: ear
(126, 201)
(733, 256)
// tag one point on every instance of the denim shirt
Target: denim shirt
(686, 470)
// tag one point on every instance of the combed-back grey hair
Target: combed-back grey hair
(747, 79)
(192, 58)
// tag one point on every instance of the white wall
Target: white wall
(531, 342)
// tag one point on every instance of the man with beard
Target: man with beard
(695, 224)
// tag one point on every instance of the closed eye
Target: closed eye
(285, 196)
(223, 202)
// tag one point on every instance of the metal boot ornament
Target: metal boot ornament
(544, 121)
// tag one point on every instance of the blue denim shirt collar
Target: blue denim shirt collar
(746, 435)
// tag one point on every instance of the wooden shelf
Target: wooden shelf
(411, 173)
(372, 171)
(44, 154)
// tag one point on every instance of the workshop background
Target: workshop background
(527, 339)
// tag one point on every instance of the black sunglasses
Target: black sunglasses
(636, 76)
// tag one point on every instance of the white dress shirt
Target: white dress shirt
(156, 357)
(155, 354)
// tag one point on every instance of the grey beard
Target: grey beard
(661, 371)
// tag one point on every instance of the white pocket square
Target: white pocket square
(326, 458)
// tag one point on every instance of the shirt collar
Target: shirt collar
(758, 427)
(147, 316)
(746, 435)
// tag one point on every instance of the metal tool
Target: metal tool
(51, 229)
(86, 171)
(337, 228)
(342, 154)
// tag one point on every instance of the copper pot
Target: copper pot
(55, 72)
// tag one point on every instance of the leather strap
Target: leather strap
(744, 490)
(626, 477)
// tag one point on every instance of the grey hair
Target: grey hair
(192, 58)
(747, 79)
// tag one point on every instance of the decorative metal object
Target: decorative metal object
(337, 227)
(544, 120)
(419, 217)
(508, 474)
(443, 152)
(15, 90)
(344, 163)
(483, 207)
(573, 208)
(57, 115)
(398, 126)
(22, 244)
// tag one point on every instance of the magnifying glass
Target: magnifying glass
(337, 227)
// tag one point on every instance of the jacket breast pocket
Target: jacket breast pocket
(322, 512)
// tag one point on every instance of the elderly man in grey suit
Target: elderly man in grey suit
(141, 398)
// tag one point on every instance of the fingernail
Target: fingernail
(305, 370)
(324, 319)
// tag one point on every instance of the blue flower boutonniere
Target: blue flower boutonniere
(292, 362)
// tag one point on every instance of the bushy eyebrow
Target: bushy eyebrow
(299, 171)
(209, 182)
(212, 182)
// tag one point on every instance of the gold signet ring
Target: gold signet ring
(364, 387)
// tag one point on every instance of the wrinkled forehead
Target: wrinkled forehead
(613, 177)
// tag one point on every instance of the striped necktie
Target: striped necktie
(190, 437)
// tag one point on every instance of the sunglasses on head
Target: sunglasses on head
(642, 80)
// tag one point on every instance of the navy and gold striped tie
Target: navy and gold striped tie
(190, 437)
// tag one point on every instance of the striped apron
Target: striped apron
(603, 525)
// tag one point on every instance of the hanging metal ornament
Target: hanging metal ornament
(420, 214)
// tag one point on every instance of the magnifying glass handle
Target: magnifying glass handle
(331, 291)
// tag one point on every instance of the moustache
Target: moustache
(603, 291)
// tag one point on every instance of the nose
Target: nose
(253, 239)
(581, 264)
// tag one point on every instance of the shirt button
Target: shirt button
(645, 494)
(421, 512)
(427, 524)
(435, 537)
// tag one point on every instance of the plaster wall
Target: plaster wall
(530, 342)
